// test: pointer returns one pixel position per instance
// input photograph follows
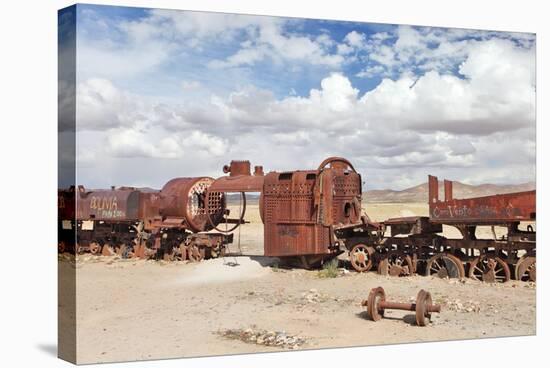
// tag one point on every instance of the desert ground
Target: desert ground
(129, 309)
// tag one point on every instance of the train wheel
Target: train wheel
(106, 250)
(120, 250)
(183, 252)
(526, 269)
(195, 253)
(95, 248)
(139, 251)
(517, 268)
(376, 296)
(489, 268)
(126, 251)
(218, 250)
(361, 257)
(414, 259)
(445, 265)
(212, 252)
(396, 264)
(423, 300)
(533, 273)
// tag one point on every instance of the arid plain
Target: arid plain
(129, 309)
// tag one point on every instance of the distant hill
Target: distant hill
(419, 193)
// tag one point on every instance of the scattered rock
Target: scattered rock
(464, 307)
(314, 296)
(264, 337)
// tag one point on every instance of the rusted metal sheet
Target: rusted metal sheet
(448, 187)
(500, 208)
(109, 205)
(122, 204)
(300, 208)
(291, 226)
(149, 207)
(183, 204)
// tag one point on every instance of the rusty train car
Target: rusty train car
(311, 217)
(168, 223)
(315, 215)
(408, 245)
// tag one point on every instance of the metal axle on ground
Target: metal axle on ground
(376, 305)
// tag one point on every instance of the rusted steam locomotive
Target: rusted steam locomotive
(168, 223)
(311, 216)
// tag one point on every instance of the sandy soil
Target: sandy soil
(135, 309)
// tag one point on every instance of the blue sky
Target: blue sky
(181, 93)
(279, 78)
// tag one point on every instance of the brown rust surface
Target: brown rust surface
(237, 168)
(123, 204)
(290, 218)
(300, 208)
(499, 208)
(112, 205)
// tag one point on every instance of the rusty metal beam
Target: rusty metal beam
(448, 186)
(238, 184)
(433, 189)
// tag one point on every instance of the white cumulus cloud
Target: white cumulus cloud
(447, 105)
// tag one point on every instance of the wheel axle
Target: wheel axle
(376, 305)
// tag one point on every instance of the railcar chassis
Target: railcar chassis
(408, 245)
